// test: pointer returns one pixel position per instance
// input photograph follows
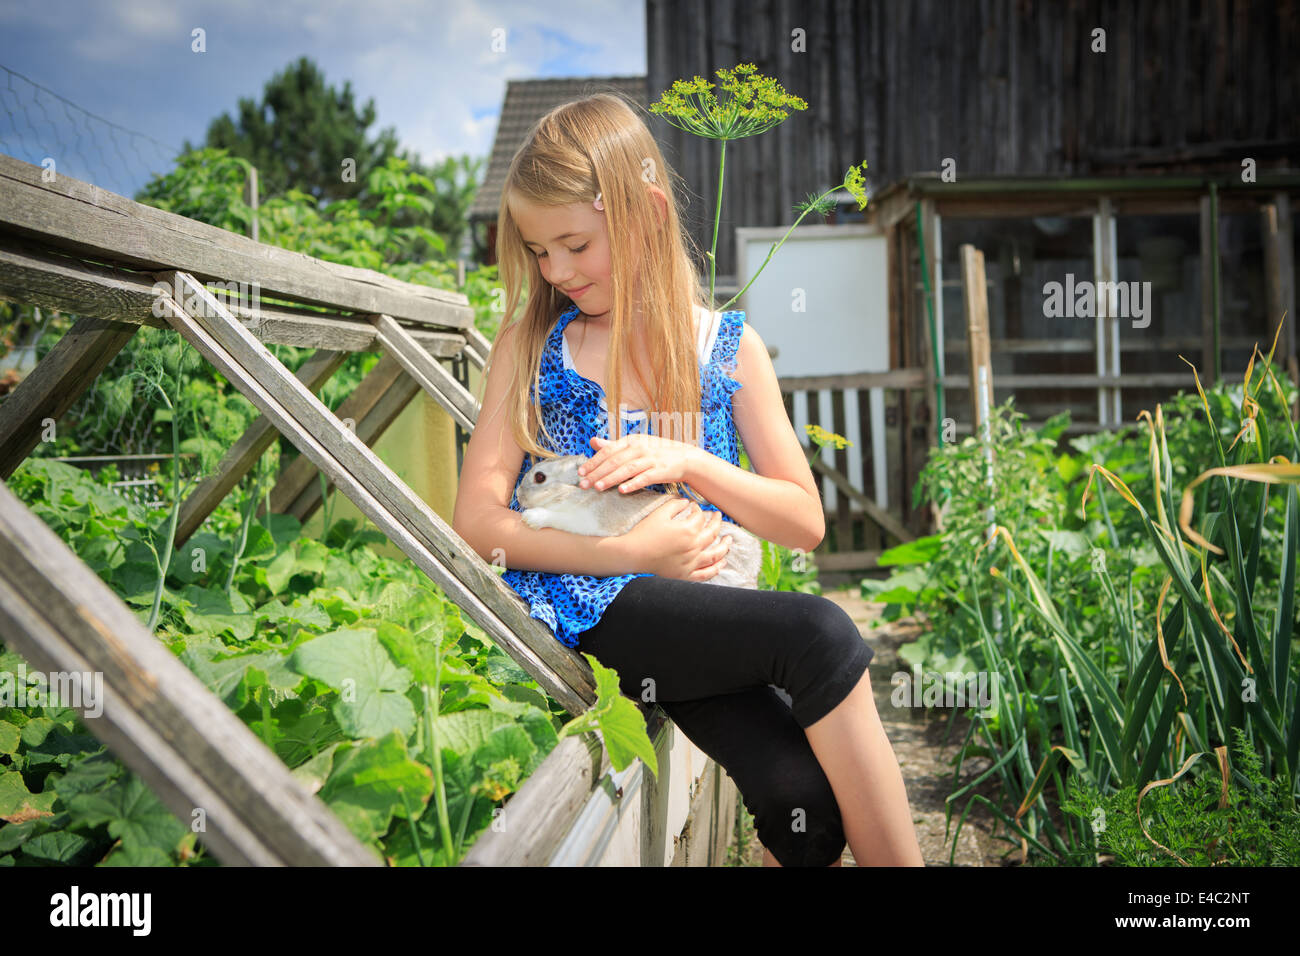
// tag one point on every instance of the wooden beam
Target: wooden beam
(895, 378)
(477, 347)
(403, 516)
(234, 465)
(94, 223)
(432, 377)
(848, 561)
(157, 716)
(56, 382)
(1062, 381)
(34, 275)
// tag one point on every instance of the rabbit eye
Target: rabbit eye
(539, 478)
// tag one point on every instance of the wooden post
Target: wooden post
(251, 197)
(1105, 274)
(975, 293)
(1210, 286)
(1279, 264)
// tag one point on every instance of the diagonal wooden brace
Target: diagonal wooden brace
(402, 515)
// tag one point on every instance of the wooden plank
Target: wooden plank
(871, 533)
(848, 561)
(541, 814)
(1173, 343)
(432, 377)
(843, 515)
(157, 716)
(235, 464)
(895, 378)
(35, 275)
(398, 512)
(1063, 381)
(95, 223)
(812, 404)
(873, 510)
(372, 406)
(57, 381)
(477, 347)
(538, 815)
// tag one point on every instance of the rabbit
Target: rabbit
(551, 498)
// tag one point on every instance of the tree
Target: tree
(301, 133)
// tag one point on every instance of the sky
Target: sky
(429, 65)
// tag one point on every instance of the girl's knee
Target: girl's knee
(828, 641)
(829, 623)
(798, 820)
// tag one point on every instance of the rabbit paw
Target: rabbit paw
(534, 517)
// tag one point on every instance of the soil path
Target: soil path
(926, 761)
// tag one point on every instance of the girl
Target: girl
(589, 221)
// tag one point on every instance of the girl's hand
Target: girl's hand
(680, 540)
(635, 461)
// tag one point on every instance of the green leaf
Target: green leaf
(371, 687)
(57, 846)
(133, 814)
(366, 784)
(18, 804)
(317, 769)
(260, 545)
(302, 613)
(920, 551)
(9, 736)
(1068, 542)
(210, 612)
(340, 572)
(621, 725)
(279, 571)
(225, 678)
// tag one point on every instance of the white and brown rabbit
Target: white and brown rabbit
(551, 498)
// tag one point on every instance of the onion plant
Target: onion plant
(1173, 683)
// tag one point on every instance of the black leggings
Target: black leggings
(711, 657)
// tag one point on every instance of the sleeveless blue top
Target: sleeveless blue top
(573, 409)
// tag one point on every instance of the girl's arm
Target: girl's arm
(482, 515)
(778, 501)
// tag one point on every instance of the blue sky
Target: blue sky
(429, 65)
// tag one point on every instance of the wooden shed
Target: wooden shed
(1050, 244)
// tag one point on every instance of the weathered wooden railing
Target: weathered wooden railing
(895, 400)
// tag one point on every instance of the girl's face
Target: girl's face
(571, 245)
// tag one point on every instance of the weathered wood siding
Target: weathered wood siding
(1000, 86)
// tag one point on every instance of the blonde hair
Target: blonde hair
(599, 145)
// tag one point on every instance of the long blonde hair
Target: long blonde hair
(599, 145)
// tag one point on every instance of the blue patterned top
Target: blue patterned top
(573, 409)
